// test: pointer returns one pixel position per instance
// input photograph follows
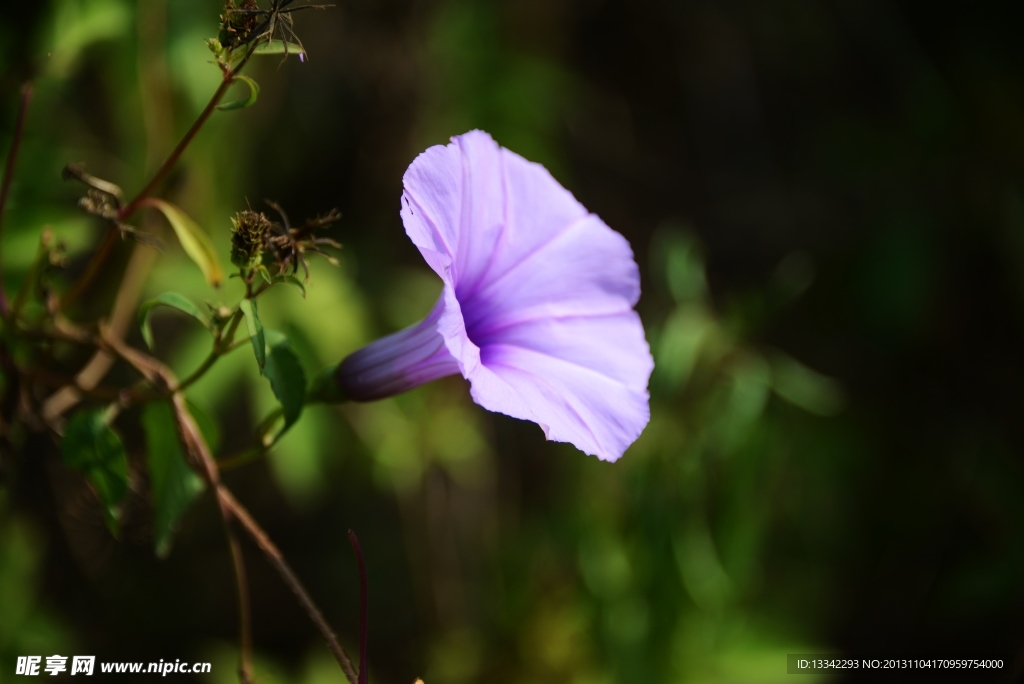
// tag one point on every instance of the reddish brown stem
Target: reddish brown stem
(276, 559)
(12, 160)
(102, 254)
(172, 159)
(196, 446)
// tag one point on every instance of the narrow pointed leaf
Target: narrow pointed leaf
(173, 484)
(279, 47)
(255, 328)
(254, 92)
(287, 379)
(174, 301)
(92, 447)
(193, 239)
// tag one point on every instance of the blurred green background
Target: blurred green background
(826, 199)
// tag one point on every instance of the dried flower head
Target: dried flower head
(289, 246)
(249, 24)
(250, 234)
(236, 27)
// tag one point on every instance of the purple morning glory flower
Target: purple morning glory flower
(537, 308)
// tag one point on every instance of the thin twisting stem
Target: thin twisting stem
(105, 249)
(273, 554)
(196, 446)
(244, 609)
(12, 160)
(172, 159)
(158, 374)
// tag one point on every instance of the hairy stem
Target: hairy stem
(5, 188)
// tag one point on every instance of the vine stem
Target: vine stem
(172, 159)
(103, 252)
(276, 559)
(244, 607)
(195, 445)
(120, 319)
(12, 160)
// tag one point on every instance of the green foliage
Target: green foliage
(91, 446)
(242, 103)
(173, 484)
(279, 47)
(173, 301)
(193, 239)
(255, 328)
(284, 371)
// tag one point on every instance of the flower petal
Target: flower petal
(585, 269)
(538, 300)
(452, 204)
(584, 379)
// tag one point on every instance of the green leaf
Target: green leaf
(252, 323)
(286, 376)
(174, 484)
(254, 91)
(193, 239)
(174, 301)
(92, 447)
(279, 47)
(806, 388)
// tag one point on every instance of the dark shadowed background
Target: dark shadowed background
(826, 200)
